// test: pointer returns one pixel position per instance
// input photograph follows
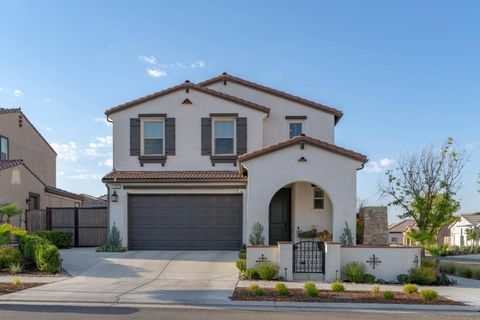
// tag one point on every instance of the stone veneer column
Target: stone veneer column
(375, 225)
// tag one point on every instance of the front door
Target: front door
(280, 217)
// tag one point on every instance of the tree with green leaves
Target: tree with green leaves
(10, 210)
(473, 235)
(425, 186)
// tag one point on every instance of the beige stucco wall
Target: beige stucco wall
(319, 124)
(16, 184)
(303, 213)
(25, 143)
(187, 130)
(335, 174)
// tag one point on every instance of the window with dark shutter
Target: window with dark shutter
(206, 136)
(134, 136)
(170, 136)
(241, 136)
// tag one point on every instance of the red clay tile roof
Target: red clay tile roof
(9, 110)
(6, 164)
(308, 140)
(174, 176)
(224, 76)
(190, 86)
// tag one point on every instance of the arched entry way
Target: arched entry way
(297, 209)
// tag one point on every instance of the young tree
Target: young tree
(425, 185)
(10, 210)
(473, 235)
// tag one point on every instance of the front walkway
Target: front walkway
(139, 276)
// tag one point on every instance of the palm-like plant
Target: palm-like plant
(10, 210)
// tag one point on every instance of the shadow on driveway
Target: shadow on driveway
(69, 309)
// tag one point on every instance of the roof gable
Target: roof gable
(305, 140)
(187, 85)
(226, 77)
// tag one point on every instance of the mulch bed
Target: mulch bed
(297, 295)
(6, 288)
(29, 271)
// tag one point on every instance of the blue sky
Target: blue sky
(405, 73)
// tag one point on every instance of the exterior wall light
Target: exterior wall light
(114, 196)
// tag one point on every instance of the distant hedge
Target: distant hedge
(60, 239)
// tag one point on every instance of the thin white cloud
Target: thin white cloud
(85, 176)
(148, 59)
(102, 120)
(106, 163)
(156, 73)
(48, 129)
(377, 166)
(17, 93)
(66, 151)
(106, 141)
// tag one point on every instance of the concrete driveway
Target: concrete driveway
(140, 277)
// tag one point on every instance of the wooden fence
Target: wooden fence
(89, 226)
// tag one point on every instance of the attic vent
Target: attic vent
(187, 101)
(20, 120)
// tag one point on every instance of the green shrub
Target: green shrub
(41, 251)
(266, 270)
(429, 294)
(369, 278)
(376, 289)
(113, 243)
(422, 275)
(337, 286)
(464, 271)
(427, 264)
(15, 267)
(448, 268)
(242, 255)
(380, 281)
(310, 289)
(410, 288)
(61, 240)
(256, 290)
(8, 256)
(403, 278)
(47, 258)
(241, 264)
(282, 289)
(251, 274)
(389, 295)
(354, 272)
(476, 274)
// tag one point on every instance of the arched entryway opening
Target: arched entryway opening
(300, 210)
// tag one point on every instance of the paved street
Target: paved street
(39, 312)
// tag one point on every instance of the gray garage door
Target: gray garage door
(184, 222)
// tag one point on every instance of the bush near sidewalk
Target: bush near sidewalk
(41, 251)
(61, 240)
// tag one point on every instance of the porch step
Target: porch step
(308, 277)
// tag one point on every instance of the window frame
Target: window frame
(318, 198)
(223, 119)
(8, 147)
(142, 135)
(302, 127)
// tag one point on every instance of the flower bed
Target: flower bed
(298, 295)
(6, 288)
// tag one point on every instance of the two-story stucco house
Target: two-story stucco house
(28, 167)
(195, 166)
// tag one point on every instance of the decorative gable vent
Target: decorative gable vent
(20, 120)
(187, 101)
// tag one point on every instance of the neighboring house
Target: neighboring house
(458, 229)
(89, 201)
(396, 232)
(196, 166)
(28, 167)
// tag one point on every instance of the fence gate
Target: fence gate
(89, 226)
(309, 257)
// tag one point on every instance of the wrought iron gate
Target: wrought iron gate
(309, 257)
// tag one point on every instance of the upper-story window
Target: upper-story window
(318, 198)
(295, 129)
(153, 137)
(3, 148)
(224, 137)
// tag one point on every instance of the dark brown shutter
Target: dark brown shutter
(241, 135)
(170, 136)
(206, 136)
(134, 136)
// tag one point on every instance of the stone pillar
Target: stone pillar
(375, 225)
